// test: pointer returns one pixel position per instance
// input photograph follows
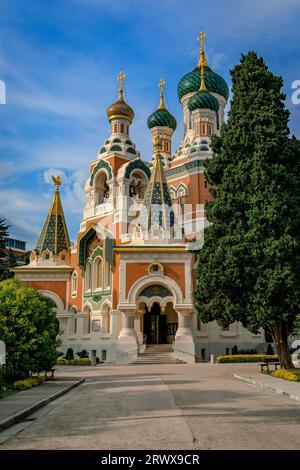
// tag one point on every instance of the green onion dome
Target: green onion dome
(191, 83)
(203, 100)
(161, 117)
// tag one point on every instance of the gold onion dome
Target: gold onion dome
(120, 109)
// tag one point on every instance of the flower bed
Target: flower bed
(28, 383)
(292, 376)
(245, 358)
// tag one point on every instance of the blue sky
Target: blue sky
(60, 59)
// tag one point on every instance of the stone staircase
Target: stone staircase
(157, 354)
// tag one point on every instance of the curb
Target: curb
(259, 384)
(23, 413)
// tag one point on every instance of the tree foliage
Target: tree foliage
(248, 268)
(28, 327)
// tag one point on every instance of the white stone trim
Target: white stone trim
(55, 298)
(152, 279)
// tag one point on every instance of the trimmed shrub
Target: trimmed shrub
(270, 350)
(285, 374)
(83, 353)
(245, 358)
(70, 354)
(28, 383)
(82, 361)
(235, 350)
(62, 361)
(247, 351)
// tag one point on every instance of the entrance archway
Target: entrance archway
(155, 325)
(160, 324)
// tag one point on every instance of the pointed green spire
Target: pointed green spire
(54, 235)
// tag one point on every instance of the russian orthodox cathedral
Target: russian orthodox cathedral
(127, 284)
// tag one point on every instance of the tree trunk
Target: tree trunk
(280, 337)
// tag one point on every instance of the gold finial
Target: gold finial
(156, 145)
(201, 38)
(121, 79)
(57, 181)
(202, 60)
(162, 88)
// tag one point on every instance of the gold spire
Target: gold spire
(202, 60)
(121, 78)
(162, 87)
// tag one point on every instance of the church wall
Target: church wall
(58, 287)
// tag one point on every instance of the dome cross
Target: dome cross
(162, 89)
(121, 78)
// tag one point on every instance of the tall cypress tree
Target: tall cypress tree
(248, 268)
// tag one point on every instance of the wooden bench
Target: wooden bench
(51, 371)
(267, 364)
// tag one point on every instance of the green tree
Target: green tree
(248, 268)
(9, 262)
(28, 327)
(3, 235)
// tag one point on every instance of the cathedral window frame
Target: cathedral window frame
(98, 274)
(88, 276)
(74, 284)
(86, 324)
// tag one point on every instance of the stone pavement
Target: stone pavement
(175, 406)
(280, 386)
(20, 405)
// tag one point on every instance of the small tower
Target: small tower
(203, 106)
(53, 245)
(157, 215)
(162, 124)
(120, 114)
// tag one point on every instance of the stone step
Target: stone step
(157, 354)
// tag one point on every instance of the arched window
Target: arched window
(101, 188)
(73, 321)
(87, 277)
(107, 275)
(74, 284)
(98, 273)
(86, 320)
(106, 319)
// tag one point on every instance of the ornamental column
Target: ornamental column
(184, 345)
(127, 344)
(139, 325)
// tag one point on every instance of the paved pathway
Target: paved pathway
(199, 406)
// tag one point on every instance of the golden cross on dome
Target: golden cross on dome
(121, 79)
(200, 38)
(162, 88)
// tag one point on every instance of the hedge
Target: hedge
(285, 374)
(28, 383)
(83, 361)
(245, 358)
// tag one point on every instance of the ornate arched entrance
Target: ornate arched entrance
(155, 325)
